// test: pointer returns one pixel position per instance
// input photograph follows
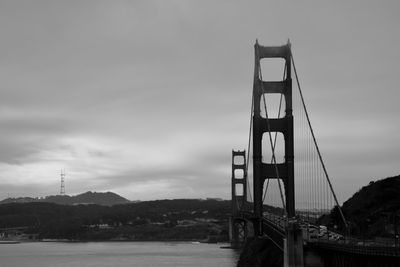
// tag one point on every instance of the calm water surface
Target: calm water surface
(115, 254)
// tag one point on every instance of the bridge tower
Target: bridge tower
(238, 225)
(284, 171)
(62, 187)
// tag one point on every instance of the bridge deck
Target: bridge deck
(355, 248)
(274, 228)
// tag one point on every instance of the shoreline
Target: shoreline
(108, 241)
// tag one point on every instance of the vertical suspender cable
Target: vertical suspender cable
(316, 145)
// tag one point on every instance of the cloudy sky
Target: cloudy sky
(148, 98)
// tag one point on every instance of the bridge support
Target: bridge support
(238, 224)
(284, 171)
(262, 170)
(238, 232)
(293, 246)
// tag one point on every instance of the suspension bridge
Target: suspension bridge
(287, 190)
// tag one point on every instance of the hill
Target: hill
(99, 198)
(371, 211)
(179, 219)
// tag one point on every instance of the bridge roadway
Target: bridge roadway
(274, 228)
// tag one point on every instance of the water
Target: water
(115, 254)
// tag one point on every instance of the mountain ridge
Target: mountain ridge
(100, 198)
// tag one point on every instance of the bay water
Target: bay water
(116, 254)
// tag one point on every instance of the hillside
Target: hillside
(99, 198)
(372, 210)
(180, 219)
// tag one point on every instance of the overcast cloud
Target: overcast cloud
(148, 98)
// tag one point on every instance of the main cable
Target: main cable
(248, 146)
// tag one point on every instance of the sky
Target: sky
(148, 98)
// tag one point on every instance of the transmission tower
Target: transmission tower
(62, 189)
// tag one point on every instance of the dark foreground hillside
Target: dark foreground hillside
(373, 211)
(181, 219)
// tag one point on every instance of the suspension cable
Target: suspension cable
(273, 152)
(248, 146)
(266, 189)
(273, 149)
(315, 142)
(276, 134)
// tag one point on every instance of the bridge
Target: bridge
(283, 202)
